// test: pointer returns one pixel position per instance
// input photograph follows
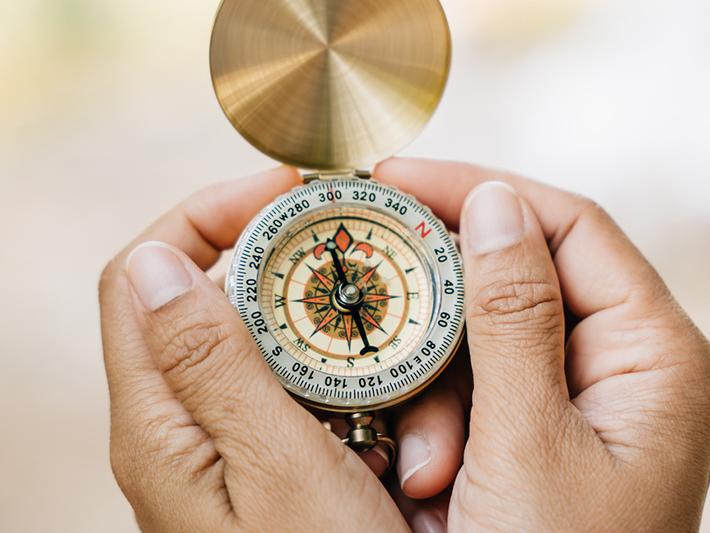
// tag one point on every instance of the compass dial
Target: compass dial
(357, 323)
(352, 290)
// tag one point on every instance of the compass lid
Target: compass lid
(330, 84)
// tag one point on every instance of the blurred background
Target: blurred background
(107, 119)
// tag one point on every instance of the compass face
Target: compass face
(352, 290)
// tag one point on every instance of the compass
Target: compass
(352, 289)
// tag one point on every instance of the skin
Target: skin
(597, 420)
(593, 419)
(203, 438)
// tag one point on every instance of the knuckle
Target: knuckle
(587, 207)
(198, 202)
(587, 204)
(191, 345)
(515, 303)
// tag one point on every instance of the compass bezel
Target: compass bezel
(420, 370)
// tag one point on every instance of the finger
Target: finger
(203, 225)
(515, 321)
(211, 220)
(197, 341)
(514, 311)
(445, 185)
(598, 266)
(216, 371)
(219, 279)
(424, 516)
(143, 408)
(376, 459)
(431, 432)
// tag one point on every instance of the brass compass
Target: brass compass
(352, 290)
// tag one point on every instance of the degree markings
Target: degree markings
(454, 304)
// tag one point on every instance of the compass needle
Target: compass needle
(332, 247)
(368, 348)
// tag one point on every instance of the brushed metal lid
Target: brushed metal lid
(330, 84)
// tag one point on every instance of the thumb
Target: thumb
(271, 446)
(514, 311)
(199, 344)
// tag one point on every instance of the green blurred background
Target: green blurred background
(107, 118)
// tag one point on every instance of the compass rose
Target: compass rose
(348, 292)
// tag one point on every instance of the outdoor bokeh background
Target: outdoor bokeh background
(107, 118)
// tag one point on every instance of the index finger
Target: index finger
(598, 266)
(211, 220)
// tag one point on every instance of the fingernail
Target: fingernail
(493, 218)
(428, 522)
(157, 274)
(414, 454)
(383, 454)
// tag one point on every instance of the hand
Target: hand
(620, 441)
(203, 437)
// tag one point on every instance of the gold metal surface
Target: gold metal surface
(330, 84)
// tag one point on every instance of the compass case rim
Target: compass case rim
(331, 85)
(447, 338)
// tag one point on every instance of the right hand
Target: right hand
(598, 419)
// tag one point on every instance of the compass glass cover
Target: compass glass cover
(353, 291)
(299, 292)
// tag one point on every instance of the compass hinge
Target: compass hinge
(337, 175)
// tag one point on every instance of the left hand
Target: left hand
(203, 437)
